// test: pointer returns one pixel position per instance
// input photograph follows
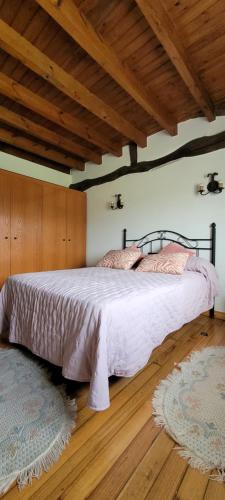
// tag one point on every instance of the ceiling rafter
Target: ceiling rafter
(22, 123)
(35, 158)
(165, 30)
(73, 21)
(17, 92)
(21, 142)
(20, 48)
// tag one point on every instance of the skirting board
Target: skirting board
(218, 314)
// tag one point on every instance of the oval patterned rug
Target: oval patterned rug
(190, 404)
(36, 419)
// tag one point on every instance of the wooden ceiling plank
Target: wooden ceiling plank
(25, 155)
(220, 108)
(20, 48)
(17, 92)
(22, 123)
(73, 21)
(21, 142)
(165, 30)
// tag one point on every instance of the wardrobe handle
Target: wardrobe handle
(69, 239)
(6, 237)
(15, 238)
(64, 239)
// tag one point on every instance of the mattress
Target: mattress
(97, 322)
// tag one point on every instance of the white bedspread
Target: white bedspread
(97, 322)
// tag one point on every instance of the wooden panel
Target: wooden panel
(68, 16)
(47, 135)
(38, 160)
(37, 61)
(26, 209)
(166, 32)
(20, 141)
(34, 102)
(125, 29)
(4, 227)
(54, 228)
(76, 229)
(42, 226)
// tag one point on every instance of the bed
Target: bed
(97, 322)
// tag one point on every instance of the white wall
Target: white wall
(24, 167)
(164, 198)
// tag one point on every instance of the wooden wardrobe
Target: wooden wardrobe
(42, 226)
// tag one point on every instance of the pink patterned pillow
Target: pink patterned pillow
(175, 248)
(140, 254)
(173, 263)
(120, 259)
(132, 247)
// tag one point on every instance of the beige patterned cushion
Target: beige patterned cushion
(173, 263)
(120, 259)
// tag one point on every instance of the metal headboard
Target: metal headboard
(197, 244)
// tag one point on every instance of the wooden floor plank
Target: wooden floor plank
(120, 453)
(215, 491)
(127, 463)
(169, 478)
(93, 446)
(95, 429)
(193, 482)
(147, 471)
(90, 476)
(139, 397)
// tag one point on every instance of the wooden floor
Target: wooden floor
(120, 453)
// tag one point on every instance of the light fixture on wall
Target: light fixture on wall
(117, 203)
(212, 187)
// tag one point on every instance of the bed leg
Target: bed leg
(211, 313)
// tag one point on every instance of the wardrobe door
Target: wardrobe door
(54, 228)
(26, 209)
(4, 227)
(76, 229)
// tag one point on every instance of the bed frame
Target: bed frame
(197, 244)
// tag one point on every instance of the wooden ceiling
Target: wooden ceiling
(79, 78)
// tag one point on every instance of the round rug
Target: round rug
(190, 404)
(36, 419)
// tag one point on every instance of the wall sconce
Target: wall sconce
(212, 187)
(117, 203)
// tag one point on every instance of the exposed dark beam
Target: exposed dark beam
(133, 153)
(196, 147)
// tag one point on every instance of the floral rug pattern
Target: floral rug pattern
(190, 404)
(36, 419)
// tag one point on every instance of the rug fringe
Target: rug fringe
(49, 457)
(177, 374)
(197, 463)
(220, 476)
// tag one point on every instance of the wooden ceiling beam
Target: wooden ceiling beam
(73, 21)
(34, 158)
(17, 92)
(29, 55)
(166, 32)
(220, 108)
(45, 134)
(21, 142)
